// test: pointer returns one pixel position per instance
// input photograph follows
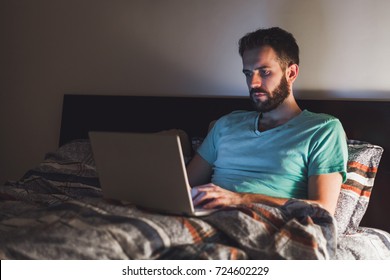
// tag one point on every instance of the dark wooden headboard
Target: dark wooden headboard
(362, 120)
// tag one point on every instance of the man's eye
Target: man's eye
(265, 72)
(248, 74)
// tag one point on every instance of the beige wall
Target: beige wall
(169, 47)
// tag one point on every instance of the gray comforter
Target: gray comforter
(56, 211)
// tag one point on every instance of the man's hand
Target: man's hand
(212, 196)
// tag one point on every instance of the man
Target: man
(277, 152)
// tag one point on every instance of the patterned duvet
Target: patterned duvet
(56, 212)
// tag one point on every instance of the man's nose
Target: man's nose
(256, 80)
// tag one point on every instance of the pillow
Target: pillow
(362, 165)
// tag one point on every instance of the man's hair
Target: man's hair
(281, 41)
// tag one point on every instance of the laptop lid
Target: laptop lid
(146, 169)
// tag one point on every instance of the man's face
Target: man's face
(266, 80)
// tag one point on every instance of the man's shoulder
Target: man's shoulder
(236, 117)
(319, 117)
(240, 114)
(321, 122)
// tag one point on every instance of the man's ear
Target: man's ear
(292, 72)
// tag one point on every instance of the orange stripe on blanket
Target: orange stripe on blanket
(303, 240)
(233, 254)
(356, 190)
(192, 230)
(362, 167)
(267, 218)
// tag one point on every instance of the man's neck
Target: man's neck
(282, 114)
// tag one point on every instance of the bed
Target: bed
(56, 210)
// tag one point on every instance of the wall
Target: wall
(170, 47)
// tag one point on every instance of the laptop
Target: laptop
(145, 169)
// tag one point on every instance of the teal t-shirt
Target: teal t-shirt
(277, 162)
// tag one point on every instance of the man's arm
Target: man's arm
(323, 189)
(199, 171)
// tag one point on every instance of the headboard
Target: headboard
(362, 120)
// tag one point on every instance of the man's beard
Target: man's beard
(274, 100)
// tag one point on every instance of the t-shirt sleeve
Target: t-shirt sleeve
(208, 149)
(328, 150)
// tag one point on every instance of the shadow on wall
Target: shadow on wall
(188, 52)
(307, 21)
(194, 51)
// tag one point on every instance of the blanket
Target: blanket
(56, 211)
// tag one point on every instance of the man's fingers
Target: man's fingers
(203, 196)
(214, 203)
(212, 196)
(207, 187)
(205, 193)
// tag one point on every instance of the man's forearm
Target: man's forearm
(247, 198)
(219, 197)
